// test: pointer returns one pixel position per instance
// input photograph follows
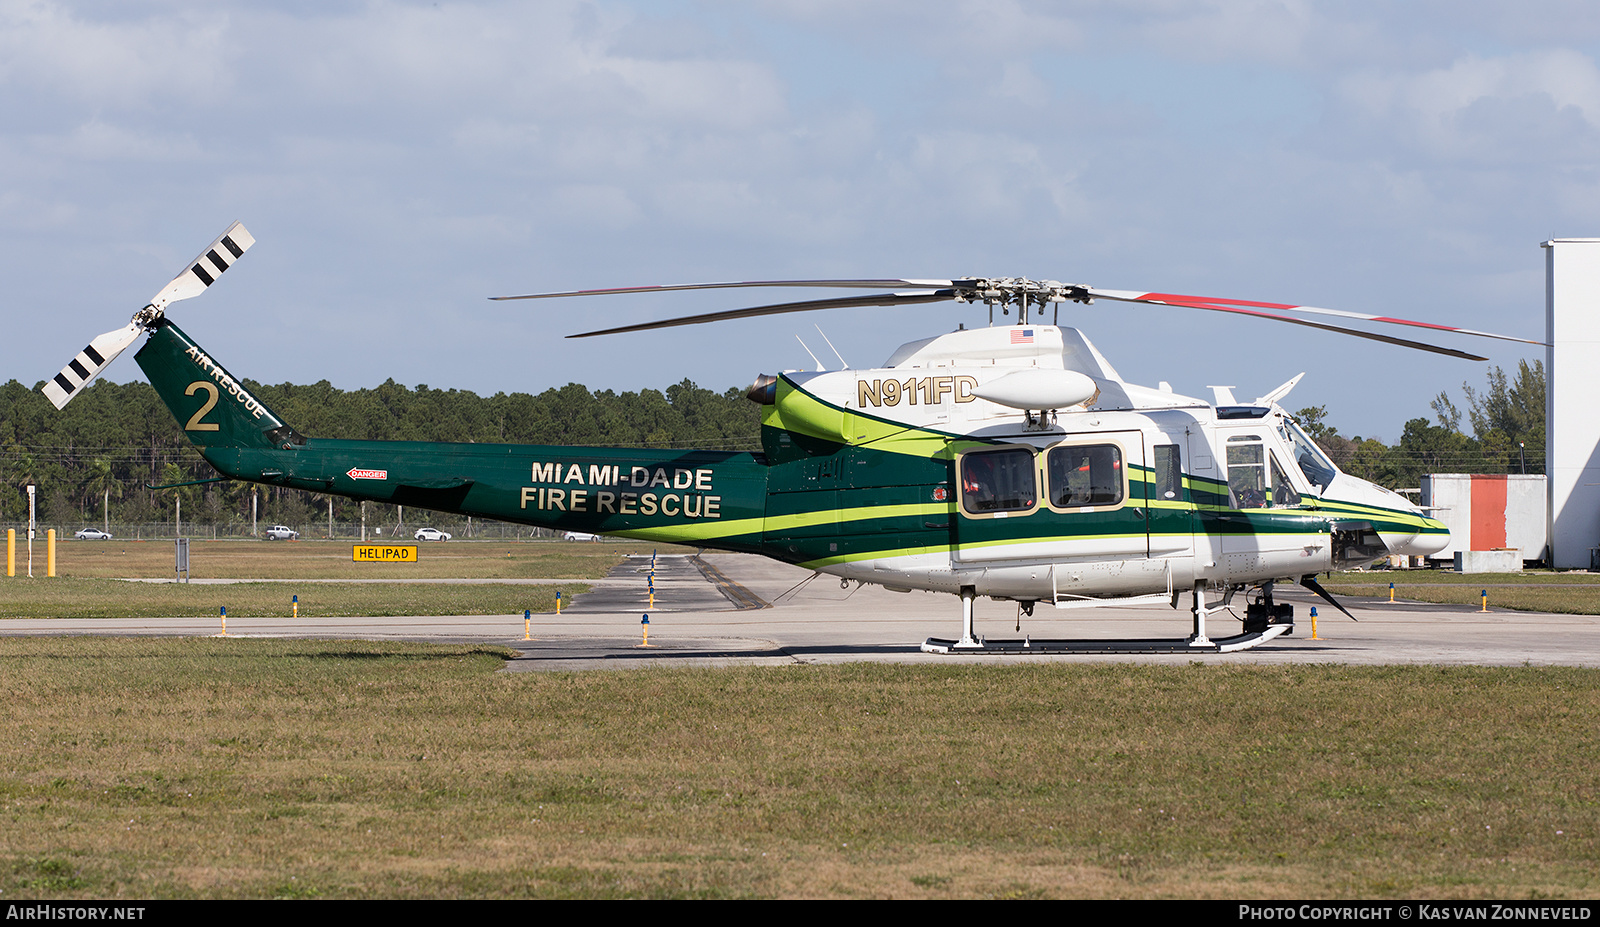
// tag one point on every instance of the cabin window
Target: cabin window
(1085, 475)
(1168, 473)
(998, 481)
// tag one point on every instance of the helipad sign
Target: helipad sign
(384, 553)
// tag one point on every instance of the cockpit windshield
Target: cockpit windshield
(1316, 466)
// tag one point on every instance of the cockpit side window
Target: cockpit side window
(1247, 472)
(1283, 492)
(1250, 463)
(999, 481)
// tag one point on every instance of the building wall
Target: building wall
(1572, 362)
(1489, 511)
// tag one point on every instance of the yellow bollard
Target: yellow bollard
(1391, 592)
(1314, 624)
(558, 605)
(527, 623)
(50, 553)
(644, 622)
(1485, 595)
(296, 606)
(11, 551)
(224, 622)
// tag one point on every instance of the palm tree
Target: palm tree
(24, 467)
(103, 481)
(170, 474)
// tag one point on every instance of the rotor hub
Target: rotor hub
(1020, 292)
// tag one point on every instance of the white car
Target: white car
(431, 534)
(93, 534)
(281, 533)
(580, 536)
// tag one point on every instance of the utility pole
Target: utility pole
(32, 489)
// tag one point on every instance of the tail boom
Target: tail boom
(709, 498)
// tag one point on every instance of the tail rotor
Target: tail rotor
(98, 355)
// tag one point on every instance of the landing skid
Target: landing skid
(1179, 645)
(1264, 621)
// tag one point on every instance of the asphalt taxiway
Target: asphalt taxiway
(727, 609)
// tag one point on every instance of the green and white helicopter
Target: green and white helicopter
(1010, 461)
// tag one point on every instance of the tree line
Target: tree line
(1507, 418)
(115, 440)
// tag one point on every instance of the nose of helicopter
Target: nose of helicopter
(1403, 526)
(1430, 537)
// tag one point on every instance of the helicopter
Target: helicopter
(1009, 461)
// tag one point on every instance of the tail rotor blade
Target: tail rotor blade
(81, 370)
(207, 267)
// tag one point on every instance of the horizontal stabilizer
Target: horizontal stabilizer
(88, 364)
(205, 269)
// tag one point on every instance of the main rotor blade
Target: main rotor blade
(207, 267)
(848, 284)
(1370, 336)
(1208, 302)
(82, 370)
(887, 299)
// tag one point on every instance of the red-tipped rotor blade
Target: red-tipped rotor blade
(1218, 304)
(1370, 336)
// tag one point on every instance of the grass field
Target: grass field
(233, 559)
(85, 588)
(1571, 593)
(304, 769)
(339, 769)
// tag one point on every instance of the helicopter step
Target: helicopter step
(1149, 645)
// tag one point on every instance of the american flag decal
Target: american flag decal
(1022, 336)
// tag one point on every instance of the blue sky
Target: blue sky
(400, 162)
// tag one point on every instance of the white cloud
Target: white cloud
(992, 177)
(603, 205)
(1508, 108)
(98, 140)
(178, 55)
